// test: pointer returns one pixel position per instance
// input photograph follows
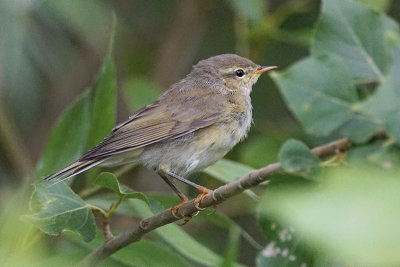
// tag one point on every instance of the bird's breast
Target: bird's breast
(240, 116)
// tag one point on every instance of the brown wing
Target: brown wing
(173, 115)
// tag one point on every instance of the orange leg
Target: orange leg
(180, 204)
(203, 190)
(181, 195)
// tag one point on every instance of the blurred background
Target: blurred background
(50, 51)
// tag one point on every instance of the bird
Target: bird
(189, 127)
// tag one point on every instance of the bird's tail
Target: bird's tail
(72, 170)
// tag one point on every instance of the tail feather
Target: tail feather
(72, 170)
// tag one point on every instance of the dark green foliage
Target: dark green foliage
(73, 126)
(296, 157)
(313, 212)
(352, 45)
(110, 181)
(57, 208)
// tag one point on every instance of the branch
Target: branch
(220, 194)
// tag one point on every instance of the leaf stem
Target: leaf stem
(103, 212)
(114, 207)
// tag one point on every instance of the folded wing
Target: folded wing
(164, 119)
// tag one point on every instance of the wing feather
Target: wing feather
(169, 117)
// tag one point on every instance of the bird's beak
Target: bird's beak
(262, 69)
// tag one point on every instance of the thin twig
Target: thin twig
(107, 231)
(219, 195)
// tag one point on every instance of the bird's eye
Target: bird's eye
(239, 72)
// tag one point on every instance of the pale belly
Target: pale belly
(195, 151)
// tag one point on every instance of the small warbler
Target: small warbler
(189, 127)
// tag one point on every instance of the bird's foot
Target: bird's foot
(203, 191)
(187, 218)
(174, 210)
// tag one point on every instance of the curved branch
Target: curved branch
(219, 195)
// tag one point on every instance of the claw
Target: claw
(175, 209)
(174, 214)
(204, 191)
(213, 196)
(187, 218)
(198, 208)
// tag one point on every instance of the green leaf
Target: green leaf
(351, 44)
(148, 253)
(359, 129)
(232, 250)
(142, 253)
(384, 105)
(139, 92)
(110, 181)
(56, 208)
(187, 245)
(104, 100)
(352, 217)
(377, 154)
(296, 157)
(322, 94)
(228, 171)
(357, 35)
(67, 140)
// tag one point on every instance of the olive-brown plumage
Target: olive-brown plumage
(189, 127)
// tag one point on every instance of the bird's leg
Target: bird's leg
(203, 190)
(181, 195)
